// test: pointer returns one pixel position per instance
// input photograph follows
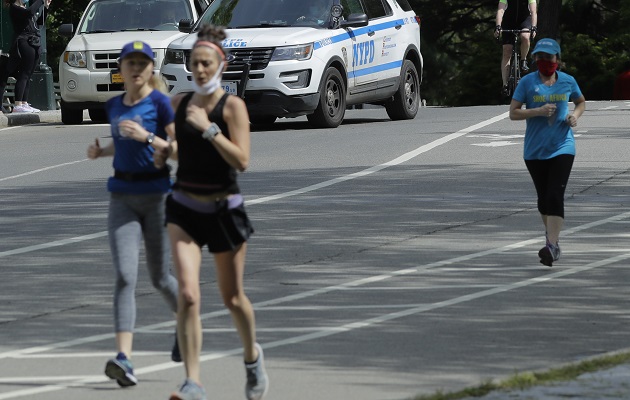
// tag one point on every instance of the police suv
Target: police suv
(288, 58)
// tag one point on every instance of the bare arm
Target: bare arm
(236, 150)
(517, 113)
(580, 106)
(95, 150)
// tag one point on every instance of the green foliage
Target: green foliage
(462, 60)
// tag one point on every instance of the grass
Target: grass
(524, 380)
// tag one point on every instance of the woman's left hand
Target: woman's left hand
(571, 120)
(197, 117)
(132, 129)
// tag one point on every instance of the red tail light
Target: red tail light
(417, 19)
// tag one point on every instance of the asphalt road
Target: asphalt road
(390, 259)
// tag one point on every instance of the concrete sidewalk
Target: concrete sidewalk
(47, 117)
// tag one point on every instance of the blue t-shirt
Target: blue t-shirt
(153, 112)
(548, 137)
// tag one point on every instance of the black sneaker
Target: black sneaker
(524, 66)
(175, 354)
(549, 254)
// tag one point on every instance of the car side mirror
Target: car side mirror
(185, 25)
(66, 30)
(354, 21)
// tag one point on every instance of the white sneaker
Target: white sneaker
(257, 379)
(33, 109)
(22, 108)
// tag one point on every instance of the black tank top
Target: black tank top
(201, 169)
(516, 13)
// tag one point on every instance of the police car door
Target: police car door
(371, 63)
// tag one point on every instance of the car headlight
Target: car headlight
(75, 59)
(173, 57)
(299, 53)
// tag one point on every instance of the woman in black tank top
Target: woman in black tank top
(206, 208)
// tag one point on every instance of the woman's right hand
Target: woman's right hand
(547, 110)
(94, 150)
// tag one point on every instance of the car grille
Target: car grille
(257, 58)
(108, 61)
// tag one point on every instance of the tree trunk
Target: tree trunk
(548, 18)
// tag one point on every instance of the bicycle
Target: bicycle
(514, 74)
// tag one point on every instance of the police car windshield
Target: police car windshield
(267, 13)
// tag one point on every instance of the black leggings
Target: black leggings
(24, 61)
(550, 178)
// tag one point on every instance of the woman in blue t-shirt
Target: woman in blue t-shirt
(549, 143)
(141, 121)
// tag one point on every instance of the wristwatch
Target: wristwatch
(151, 137)
(212, 132)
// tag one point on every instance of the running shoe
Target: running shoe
(176, 356)
(121, 369)
(189, 390)
(549, 254)
(33, 109)
(257, 379)
(524, 66)
(22, 109)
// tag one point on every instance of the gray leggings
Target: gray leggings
(131, 217)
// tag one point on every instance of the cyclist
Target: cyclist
(515, 14)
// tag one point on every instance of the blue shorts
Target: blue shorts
(223, 226)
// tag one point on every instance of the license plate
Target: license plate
(116, 77)
(230, 87)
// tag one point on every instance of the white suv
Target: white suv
(88, 74)
(312, 57)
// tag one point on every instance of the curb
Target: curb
(30, 118)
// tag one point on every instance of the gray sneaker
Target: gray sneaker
(257, 379)
(189, 390)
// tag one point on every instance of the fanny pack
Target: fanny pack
(142, 176)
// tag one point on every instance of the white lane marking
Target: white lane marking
(498, 143)
(41, 170)
(608, 108)
(84, 381)
(399, 160)
(324, 290)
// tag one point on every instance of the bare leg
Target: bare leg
(124, 342)
(505, 62)
(187, 259)
(230, 268)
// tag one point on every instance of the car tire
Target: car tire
(71, 116)
(332, 101)
(406, 101)
(98, 115)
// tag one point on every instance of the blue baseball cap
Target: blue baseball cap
(136, 47)
(548, 46)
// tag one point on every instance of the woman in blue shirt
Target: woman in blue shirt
(141, 120)
(549, 143)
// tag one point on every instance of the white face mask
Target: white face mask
(211, 86)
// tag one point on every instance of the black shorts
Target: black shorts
(508, 38)
(223, 230)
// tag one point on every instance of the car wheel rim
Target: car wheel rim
(332, 97)
(410, 90)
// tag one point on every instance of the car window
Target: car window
(351, 7)
(404, 4)
(375, 9)
(267, 13)
(114, 15)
